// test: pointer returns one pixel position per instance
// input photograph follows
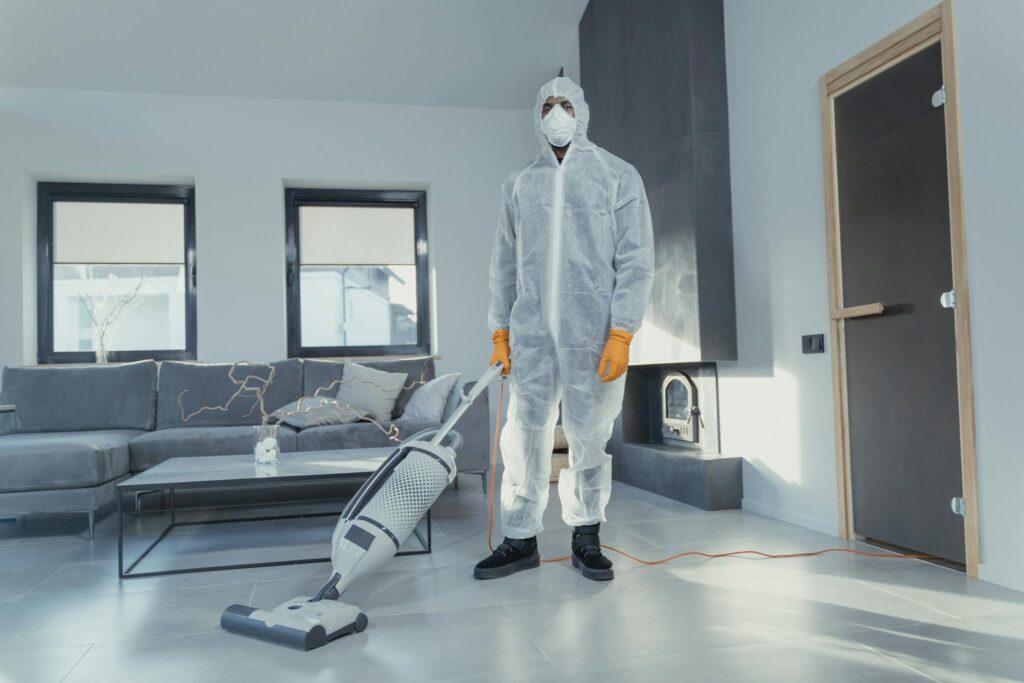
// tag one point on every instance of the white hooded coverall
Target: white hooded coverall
(573, 257)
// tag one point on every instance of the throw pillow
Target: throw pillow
(311, 411)
(429, 400)
(372, 390)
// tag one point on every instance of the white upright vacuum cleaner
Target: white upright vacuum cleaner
(373, 526)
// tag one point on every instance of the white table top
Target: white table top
(224, 469)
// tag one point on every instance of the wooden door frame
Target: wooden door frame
(935, 26)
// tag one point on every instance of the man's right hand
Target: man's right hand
(501, 353)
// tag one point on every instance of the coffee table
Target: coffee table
(239, 471)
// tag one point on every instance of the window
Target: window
(116, 272)
(357, 272)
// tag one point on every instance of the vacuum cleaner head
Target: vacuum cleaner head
(301, 622)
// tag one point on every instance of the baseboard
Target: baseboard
(1001, 577)
(790, 517)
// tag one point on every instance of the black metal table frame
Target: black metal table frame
(123, 573)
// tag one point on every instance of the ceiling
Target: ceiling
(472, 53)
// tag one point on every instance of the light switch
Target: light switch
(814, 343)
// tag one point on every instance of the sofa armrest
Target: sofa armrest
(475, 428)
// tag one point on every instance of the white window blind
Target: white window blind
(356, 235)
(116, 232)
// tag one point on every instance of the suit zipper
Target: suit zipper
(554, 280)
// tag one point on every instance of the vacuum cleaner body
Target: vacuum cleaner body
(385, 511)
(373, 526)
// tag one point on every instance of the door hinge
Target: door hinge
(958, 506)
(948, 299)
(939, 97)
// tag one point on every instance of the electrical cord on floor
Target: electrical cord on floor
(690, 553)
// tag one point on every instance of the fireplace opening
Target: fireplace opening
(680, 409)
(673, 406)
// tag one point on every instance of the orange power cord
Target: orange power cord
(757, 553)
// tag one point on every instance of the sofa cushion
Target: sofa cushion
(371, 390)
(359, 435)
(185, 389)
(188, 442)
(430, 401)
(79, 398)
(310, 412)
(324, 376)
(63, 460)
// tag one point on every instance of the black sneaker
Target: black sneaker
(514, 555)
(586, 553)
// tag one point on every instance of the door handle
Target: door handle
(948, 299)
(857, 311)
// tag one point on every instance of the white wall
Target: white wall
(776, 404)
(991, 78)
(240, 154)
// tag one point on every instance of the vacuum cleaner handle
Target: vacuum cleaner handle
(492, 373)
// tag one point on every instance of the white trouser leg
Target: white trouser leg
(589, 409)
(527, 439)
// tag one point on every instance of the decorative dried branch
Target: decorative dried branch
(391, 432)
(419, 382)
(251, 385)
(101, 324)
(256, 386)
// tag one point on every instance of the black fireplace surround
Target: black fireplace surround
(691, 472)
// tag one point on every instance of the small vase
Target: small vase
(101, 349)
(266, 471)
(266, 447)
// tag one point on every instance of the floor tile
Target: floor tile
(617, 625)
(839, 599)
(440, 588)
(39, 664)
(15, 584)
(811, 659)
(421, 647)
(56, 551)
(948, 590)
(963, 651)
(100, 578)
(91, 619)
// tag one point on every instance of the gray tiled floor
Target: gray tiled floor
(67, 617)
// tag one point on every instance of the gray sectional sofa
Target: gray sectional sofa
(78, 430)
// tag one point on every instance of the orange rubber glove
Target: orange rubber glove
(615, 358)
(502, 353)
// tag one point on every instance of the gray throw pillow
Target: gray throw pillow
(429, 400)
(311, 411)
(372, 390)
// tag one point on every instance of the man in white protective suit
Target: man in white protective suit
(571, 274)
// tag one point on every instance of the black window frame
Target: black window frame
(298, 197)
(49, 192)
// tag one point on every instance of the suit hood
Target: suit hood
(567, 88)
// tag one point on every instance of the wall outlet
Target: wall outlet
(814, 343)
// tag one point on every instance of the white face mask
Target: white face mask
(558, 126)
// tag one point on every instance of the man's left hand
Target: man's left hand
(615, 358)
